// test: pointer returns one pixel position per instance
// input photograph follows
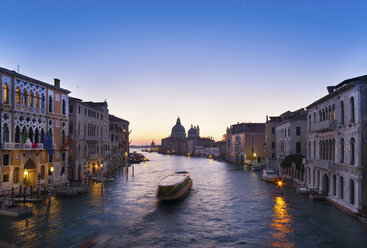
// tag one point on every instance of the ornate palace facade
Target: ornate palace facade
(30, 109)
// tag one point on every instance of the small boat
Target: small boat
(256, 167)
(302, 190)
(174, 186)
(269, 176)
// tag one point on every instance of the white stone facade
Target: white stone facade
(335, 163)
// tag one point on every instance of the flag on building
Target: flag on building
(25, 136)
(66, 143)
(48, 144)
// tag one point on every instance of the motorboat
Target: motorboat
(256, 167)
(269, 176)
(174, 186)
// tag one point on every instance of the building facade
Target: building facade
(30, 111)
(89, 138)
(336, 139)
(246, 143)
(119, 137)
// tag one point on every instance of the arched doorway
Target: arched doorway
(325, 185)
(29, 175)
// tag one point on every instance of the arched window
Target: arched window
(31, 98)
(342, 112)
(43, 101)
(342, 150)
(50, 132)
(50, 104)
(320, 116)
(25, 95)
(309, 149)
(334, 184)
(63, 137)
(37, 136)
(314, 117)
(5, 133)
(17, 134)
(6, 94)
(323, 114)
(17, 95)
(333, 114)
(314, 149)
(341, 188)
(63, 107)
(42, 135)
(31, 134)
(352, 151)
(352, 113)
(351, 191)
(37, 100)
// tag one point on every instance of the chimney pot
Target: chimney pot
(57, 82)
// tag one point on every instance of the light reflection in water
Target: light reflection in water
(281, 224)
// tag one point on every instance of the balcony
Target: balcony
(325, 126)
(20, 146)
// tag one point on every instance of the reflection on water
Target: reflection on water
(227, 207)
(281, 224)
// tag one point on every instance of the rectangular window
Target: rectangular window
(253, 149)
(71, 109)
(42, 172)
(273, 155)
(298, 147)
(5, 177)
(298, 131)
(79, 110)
(49, 158)
(273, 130)
(6, 161)
(273, 145)
(63, 156)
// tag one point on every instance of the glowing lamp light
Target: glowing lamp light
(280, 183)
(52, 169)
(210, 156)
(254, 154)
(124, 130)
(25, 173)
(95, 166)
(101, 165)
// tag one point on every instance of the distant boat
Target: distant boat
(174, 186)
(269, 176)
(256, 167)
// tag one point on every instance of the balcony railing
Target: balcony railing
(20, 146)
(325, 126)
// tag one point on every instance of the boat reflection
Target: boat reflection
(281, 224)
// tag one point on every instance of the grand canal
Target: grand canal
(227, 207)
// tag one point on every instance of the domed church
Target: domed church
(178, 131)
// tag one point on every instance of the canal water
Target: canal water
(228, 206)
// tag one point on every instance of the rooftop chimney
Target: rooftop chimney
(330, 89)
(57, 82)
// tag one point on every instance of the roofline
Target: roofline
(332, 94)
(18, 75)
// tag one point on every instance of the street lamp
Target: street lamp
(25, 177)
(52, 169)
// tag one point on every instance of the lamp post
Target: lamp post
(25, 178)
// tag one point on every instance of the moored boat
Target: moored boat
(269, 176)
(256, 167)
(174, 186)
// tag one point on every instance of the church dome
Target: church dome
(178, 131)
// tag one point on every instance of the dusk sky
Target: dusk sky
(213, 63)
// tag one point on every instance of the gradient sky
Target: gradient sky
(213, 63)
